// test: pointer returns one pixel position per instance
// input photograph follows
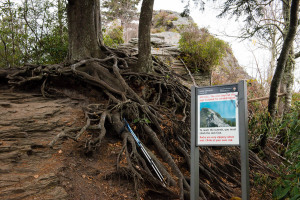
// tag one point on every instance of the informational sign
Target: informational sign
(217, 116)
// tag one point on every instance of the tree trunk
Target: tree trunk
(288, 75)
(274, 54)
(288, 81)
(60, 13)
(84, 23)
(286, 6)
(144, 44)
(288, 41)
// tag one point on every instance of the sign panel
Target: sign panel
(217, 116)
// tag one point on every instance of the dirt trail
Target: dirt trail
(29, 169)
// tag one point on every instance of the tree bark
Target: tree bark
(144, 43)
(274, 54)
(84, 23)
(60, 17)
(288, 41)
(288, 80)
(286, 6)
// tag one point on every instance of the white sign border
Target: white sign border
(236, 142)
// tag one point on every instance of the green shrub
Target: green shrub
(164, 18)
(201, 51)
(288, 185)
(158, 30)
(54, 47)
(174, 30)
(186, 12)
(113, 37)
(263, 184)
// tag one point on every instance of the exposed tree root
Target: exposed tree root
(157, 105)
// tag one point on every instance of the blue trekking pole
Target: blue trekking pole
(140, 145)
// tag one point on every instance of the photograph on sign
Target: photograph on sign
(218, 119)
(218, 114)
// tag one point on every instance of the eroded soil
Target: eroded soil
(29, 169)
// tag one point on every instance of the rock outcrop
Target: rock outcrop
(165, 46)
(210, 118)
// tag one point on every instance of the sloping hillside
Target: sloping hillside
(94, 156)
(166, 29)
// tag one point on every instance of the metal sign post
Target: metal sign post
(243, 116)
(219, 118)
(194, 181)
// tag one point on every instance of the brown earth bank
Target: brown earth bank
(30, 169)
